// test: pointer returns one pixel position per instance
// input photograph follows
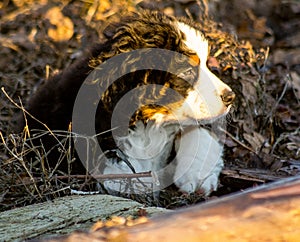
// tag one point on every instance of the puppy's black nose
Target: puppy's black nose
(228, 97)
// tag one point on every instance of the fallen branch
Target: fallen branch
(267, 213)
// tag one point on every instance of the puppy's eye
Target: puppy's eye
(188, 75)
(189, 72)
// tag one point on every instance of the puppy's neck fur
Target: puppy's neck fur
(150, 145)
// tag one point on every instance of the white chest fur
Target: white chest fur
(198, 160)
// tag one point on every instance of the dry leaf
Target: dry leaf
(296, 83)
(289, 57)
(249, 91)
(64, 27)
(256, 140)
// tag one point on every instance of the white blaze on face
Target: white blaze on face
(195, 41)
(204, 102)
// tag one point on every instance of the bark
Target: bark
(65, 215)
(267, 213)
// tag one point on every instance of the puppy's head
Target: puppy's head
(201, 95)
(208, 98)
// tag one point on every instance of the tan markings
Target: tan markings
(148, 112)
(164, 89)
(194, 60)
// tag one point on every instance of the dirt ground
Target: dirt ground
(255, 48)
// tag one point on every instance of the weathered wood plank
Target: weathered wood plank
(64, 215)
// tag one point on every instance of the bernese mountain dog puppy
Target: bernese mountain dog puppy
(168, 101)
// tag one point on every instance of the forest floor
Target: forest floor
(262, 142)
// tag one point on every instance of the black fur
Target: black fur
(53, 103)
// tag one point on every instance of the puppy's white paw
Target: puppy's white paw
(191, 184)
(199, 162)
(210, 184)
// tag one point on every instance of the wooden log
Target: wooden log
(267, 213)
(65, 215)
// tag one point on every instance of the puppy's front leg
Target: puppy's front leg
(199, 161)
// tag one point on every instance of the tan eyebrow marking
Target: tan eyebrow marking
(194, 60)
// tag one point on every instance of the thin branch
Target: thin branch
(236, 140)
(108, 176)
(25, 111)
(98, 177)
(22, 162)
